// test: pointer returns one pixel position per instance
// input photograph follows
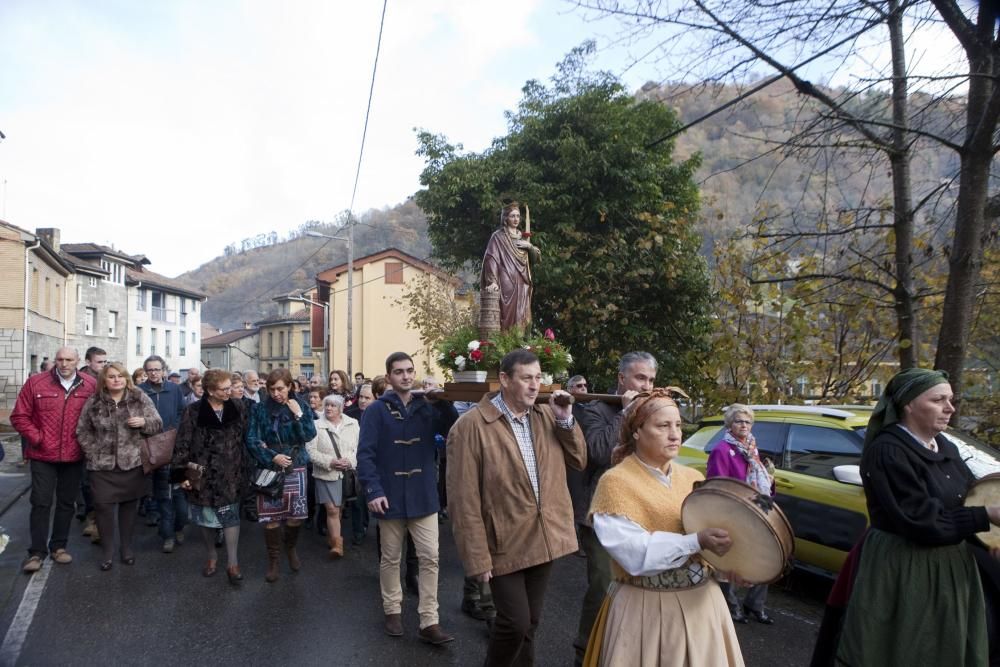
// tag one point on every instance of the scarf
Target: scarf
(757, 475)
(902, 388)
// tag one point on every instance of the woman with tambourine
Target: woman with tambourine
(664, 606)
(736, 456)
(924, 594)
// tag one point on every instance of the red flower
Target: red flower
(476, 355)
(453, 354)
(548, 350)
(549, 334)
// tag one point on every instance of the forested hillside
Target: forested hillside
(241, 286)
(763, 157)
(746, 172)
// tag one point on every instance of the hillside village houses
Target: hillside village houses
(236, 350)
(381, 325)
(83, 295)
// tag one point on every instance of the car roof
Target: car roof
(847, 416)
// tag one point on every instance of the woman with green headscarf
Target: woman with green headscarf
(918, 598)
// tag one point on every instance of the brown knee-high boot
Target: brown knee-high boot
(291, 539)
(272, 538)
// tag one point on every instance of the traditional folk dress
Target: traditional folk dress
(671, 612)
(917, 597)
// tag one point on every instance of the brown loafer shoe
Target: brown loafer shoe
(32, 564)
(61, 556)
(433, 634)
(394, 625)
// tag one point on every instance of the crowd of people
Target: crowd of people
(522, 483)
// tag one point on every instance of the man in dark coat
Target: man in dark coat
(601, 423)
(169, 402)
(396, 468)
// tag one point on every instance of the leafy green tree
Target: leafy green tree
(612, 215)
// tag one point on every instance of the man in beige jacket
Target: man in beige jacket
(509, 504)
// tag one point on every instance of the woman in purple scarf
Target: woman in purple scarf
(736, 457)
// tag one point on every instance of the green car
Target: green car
(816, 451)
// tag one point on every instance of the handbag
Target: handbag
(195, 474)
(156, 451)
(270, 482)
(267, 482)
(350, 478)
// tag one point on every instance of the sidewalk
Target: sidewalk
(14, 479)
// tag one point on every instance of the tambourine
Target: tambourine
(986, 491)
(763, 542)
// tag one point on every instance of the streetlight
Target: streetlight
(350, 288)
(326, 323)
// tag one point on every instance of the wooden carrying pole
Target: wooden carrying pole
(449, 394)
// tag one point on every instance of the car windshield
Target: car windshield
(980, 458)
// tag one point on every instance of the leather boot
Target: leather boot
(272, 538)
(336, 547)
(291, 539)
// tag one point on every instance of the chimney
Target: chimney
(51, 236)
(247, 325)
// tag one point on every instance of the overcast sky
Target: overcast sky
(172, 128)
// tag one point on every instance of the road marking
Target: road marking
(10, 650)
(795, 616)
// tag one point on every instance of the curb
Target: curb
(16, 494)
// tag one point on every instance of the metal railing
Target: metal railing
(166, 315)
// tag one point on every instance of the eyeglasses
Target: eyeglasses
(745, 422)
(226, 388)
(580, 385)
(153, 370)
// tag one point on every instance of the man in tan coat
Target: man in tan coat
(509, 504)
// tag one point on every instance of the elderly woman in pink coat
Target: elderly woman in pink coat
(736, 456)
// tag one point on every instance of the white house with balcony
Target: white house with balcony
(101, 309)
(164, 319)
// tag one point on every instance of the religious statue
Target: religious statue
(506, 274)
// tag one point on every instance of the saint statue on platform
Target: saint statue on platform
(507, 269)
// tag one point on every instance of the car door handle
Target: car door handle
(783, 483)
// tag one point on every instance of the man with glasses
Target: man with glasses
(601, 423)
(251, 388)
(576, 479)
(169, 402)
(45, 415)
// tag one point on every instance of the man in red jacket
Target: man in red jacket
(45, 415)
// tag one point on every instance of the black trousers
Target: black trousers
(61, 480)
(518, 598)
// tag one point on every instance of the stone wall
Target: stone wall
(11, 366)
(104, 297)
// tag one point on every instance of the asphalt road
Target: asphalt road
(163, 610)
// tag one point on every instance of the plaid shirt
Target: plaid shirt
(522, 433)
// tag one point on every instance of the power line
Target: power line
(368, 110)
